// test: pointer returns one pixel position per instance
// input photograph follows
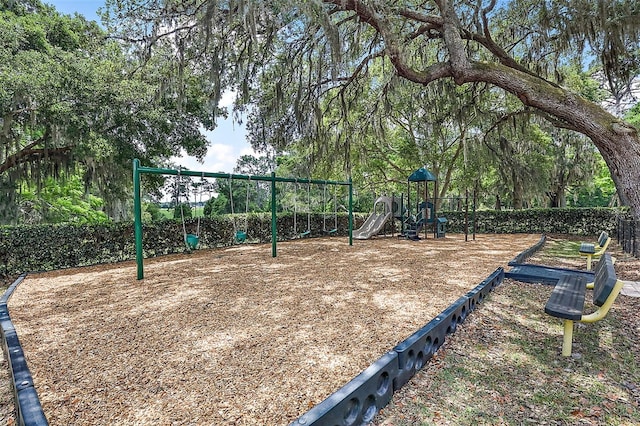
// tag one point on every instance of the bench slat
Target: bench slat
(605, 280)
(602, 238)
(567, 299)
(587, 248)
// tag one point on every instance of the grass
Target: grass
(195, 212)
(562, 249)
(503, 366)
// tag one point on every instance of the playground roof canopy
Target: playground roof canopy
(422, 175)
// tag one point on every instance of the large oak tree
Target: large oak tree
(306, 55)
(73, 101)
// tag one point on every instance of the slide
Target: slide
(375, 221)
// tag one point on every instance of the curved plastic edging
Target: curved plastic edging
(357, 402)
(28, 407)
(415, 351)
(478, 294)
(455, 314)
(522, 257)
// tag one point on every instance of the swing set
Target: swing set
(192, 240)
(335, 211)
(295, 212)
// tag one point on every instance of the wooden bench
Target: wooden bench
(567, 298)
(592, 250)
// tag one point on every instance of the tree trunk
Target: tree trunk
(517, 194)
(557, 196)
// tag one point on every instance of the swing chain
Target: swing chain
(202, 187)
(295, 207)
(184, 227)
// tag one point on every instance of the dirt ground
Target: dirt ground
(234, 336)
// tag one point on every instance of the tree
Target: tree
(72, 100)
(60, 201)
(217, 206)
(252, 165)
(182, 210)
(303, 53)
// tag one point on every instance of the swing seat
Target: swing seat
(305, 233)
(192, 241)
(241, 236)
(331, 231)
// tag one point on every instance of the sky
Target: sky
(227, 142)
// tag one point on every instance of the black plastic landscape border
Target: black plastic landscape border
(539, 274)
(522, 257)
(542, 274)
(28, 407)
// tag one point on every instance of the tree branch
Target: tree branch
(29, 155)
(431, 20)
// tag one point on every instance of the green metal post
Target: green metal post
(137, 214)
(274, 216)
(350, 212)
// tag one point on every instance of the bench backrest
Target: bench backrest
(602, 238)
(605, 279)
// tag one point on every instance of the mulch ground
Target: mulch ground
(233, 336)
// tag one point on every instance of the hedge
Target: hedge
(574, 221)
(50, 247)
(36, 248)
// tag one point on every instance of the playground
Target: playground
(236, 336)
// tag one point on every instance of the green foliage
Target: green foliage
(633, 116)
(60, 201)
(216, 206)
(152, 212)
(73, 98)
(583, 83)
(575, 221)
(596, 192)
(31, 248)
(182, 210)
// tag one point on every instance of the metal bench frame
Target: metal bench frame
(591, 250)
(567, 298)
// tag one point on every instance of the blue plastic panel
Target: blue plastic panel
(455, 314)
(17, 362)
(357, 402)
(9, 292)
(522, 257)
(28, 407)
(482, 290)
